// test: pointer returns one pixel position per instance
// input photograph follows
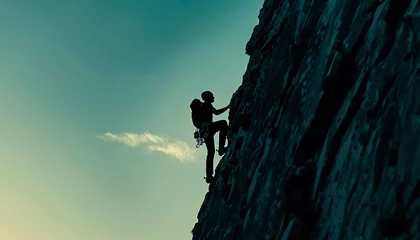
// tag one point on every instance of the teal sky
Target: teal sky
(96, 140)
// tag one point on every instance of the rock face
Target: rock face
(325, 128)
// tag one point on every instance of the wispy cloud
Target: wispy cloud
(154, 143)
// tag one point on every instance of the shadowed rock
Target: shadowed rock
(325, 128)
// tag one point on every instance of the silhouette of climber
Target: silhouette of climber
(220, 126)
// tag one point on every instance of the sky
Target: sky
(96, 138)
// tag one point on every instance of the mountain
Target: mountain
(325, 128)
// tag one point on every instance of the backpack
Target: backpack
(197, 116)
(197, 112)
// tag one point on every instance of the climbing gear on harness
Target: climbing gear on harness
(198, 138)
(201, 134)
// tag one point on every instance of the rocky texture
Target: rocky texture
(325, 129)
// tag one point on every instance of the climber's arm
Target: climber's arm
(219, 111)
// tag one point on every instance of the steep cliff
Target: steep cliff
(325, 128)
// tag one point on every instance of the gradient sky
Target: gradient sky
(96, 140)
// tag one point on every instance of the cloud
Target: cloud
(154, 143)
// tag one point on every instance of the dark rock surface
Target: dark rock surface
(325, 128)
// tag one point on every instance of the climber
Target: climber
(208, 128)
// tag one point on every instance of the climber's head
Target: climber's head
(207, 96)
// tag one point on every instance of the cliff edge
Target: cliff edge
(325, 128)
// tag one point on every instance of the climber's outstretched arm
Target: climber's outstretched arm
(220, 111)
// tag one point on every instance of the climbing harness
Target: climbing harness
(201, 134)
